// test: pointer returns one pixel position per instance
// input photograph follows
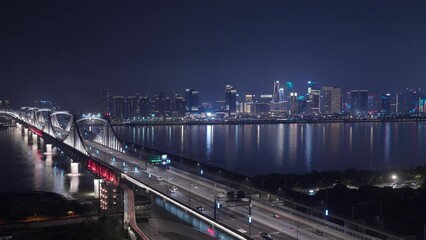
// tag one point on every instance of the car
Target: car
(174, 188)
(264, 235)
(221, 195)
(318, 232)
(276, 216)
(160, 179)
(199, 208)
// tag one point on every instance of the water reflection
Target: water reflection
(258, 137)
(182, 138)
(75, 180)
(293, 143)
(350, 139)
(264, 148)
(24, 160)
(371, 144)
(209, 141)
(280, 145)
(387, 144)
(308, 148)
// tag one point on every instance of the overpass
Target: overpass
(71, 135)
(94, 139)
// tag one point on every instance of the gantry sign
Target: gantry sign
(233, 199)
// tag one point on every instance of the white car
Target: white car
(221, 195)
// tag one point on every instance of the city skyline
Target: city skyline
(148, 47)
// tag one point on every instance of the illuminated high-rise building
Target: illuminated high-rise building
(385, 103)
(293, 107)
(262, 103)
(312, 86)
(422, 108)
(288, 89)
(313, 101)
(145, 106)
(276, 93)
(359, 102)
(118, 107)
(131, 106)
(409, 100)
(277, 103)
(191, 98)
(248, 105)
(331, 100)
(105, 102)
(230, 100)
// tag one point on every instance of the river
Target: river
(25, 166)
(253, 149)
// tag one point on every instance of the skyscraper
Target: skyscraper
(131, 106)
(313, 101)
(104, 102)
(385, 103)
(288, 89)
(277, 103)
(191, 98)
(145, 106)
(331, 100)
(118, 110)
(248, 106)
(409, 100)
(276, 93)
(293, 103)
(230, 100)
(312, 86)
(359, 102)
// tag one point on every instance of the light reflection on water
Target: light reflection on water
(26, 167)
(290, 148)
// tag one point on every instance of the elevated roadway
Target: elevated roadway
(196, 191)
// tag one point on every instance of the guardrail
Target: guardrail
(229, 231)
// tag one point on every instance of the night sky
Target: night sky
(68, 50)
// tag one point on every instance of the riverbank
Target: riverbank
(265, 121)
(351, 194)
(37, 206)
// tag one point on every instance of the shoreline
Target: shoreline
(269, 121)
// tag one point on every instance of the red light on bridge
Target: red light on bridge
(36, 131)
(211, 232)
(102, 171)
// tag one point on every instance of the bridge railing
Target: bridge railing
(216, 225)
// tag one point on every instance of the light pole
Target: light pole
(250, 215)
(297, 232)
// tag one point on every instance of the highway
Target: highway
(194, 190)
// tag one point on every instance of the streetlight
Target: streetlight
(250, 206)
(249, 221)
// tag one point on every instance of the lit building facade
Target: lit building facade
(191, 98)
(230, 100)
(118, 110)
(359, 102)
(331, 100)
(385, 103)
(131, 106)
(104, 102)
